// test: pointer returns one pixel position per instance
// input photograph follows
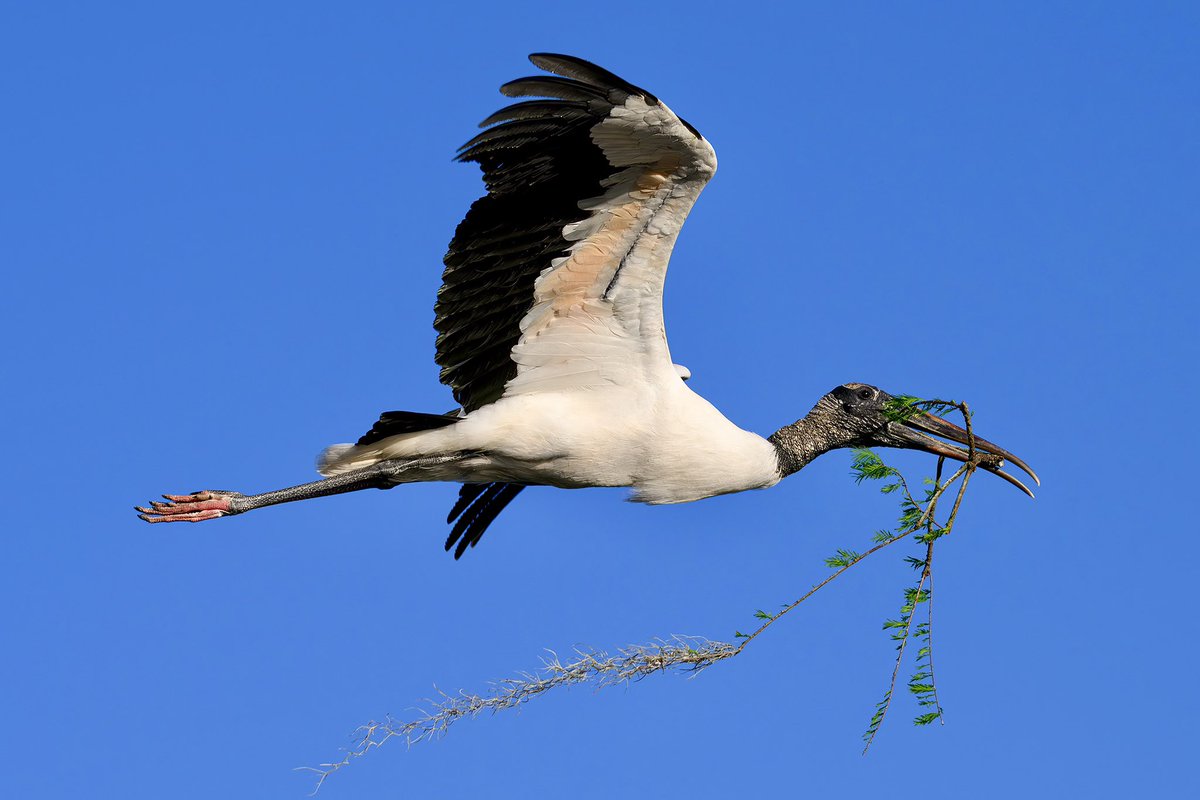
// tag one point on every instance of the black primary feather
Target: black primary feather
(587, 72)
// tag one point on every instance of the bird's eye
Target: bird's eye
(865, 394)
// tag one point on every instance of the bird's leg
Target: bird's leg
(200, 506)
(210, 504)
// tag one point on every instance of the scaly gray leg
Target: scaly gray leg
(210, 504)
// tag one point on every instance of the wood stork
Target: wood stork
(550, 331)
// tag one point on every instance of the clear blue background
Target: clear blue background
(221, 227)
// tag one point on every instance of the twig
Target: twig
(937, 477)
(902, 535)
(682, 653)
(931, 535)
(881, 712)
(937, 703)
(747, 638)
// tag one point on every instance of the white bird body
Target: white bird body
(661, 439)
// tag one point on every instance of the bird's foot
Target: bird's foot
(195, 507)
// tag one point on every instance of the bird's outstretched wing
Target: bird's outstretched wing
(554, 279)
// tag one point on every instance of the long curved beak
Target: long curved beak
(913, 432)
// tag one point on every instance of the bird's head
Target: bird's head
(860, 415)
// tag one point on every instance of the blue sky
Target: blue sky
(222, 228)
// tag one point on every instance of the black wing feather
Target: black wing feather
(392, 423)
(466, 496)
(538, 163)
(551, 86)
(537, 109)
(478, 505)
(587, 72)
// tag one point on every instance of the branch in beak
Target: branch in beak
(911, 434)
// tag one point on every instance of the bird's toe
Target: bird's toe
(195, 507)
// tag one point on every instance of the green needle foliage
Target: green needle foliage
(917, 517)
(842, 558)
(917, 521)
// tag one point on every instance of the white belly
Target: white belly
(669, 446)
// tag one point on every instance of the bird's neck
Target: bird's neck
(798, 444)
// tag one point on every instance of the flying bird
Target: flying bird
(551, 335)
